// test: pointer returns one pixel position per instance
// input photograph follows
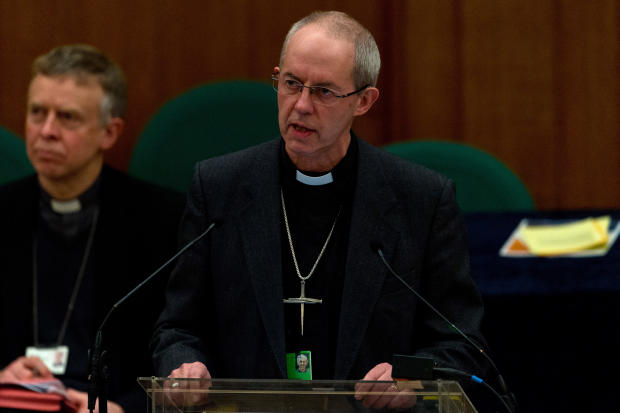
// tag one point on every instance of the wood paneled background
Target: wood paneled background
(534, 82)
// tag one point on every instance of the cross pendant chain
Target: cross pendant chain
(302, 300)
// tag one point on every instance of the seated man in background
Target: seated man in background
(292, 266)
(79, 235)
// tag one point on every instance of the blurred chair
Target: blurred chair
(483, 182)
(206, 121)
(14, 163)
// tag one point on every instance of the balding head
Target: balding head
(341, 26)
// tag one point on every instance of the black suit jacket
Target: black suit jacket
(224, 300)
(136, 233)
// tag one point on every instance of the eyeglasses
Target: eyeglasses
(320, 94)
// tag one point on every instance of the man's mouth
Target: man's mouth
(300, 128)
(47, 154)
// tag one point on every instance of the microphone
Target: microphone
(376, 248)
(98, 371)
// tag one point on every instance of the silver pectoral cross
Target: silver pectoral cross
(302, 299)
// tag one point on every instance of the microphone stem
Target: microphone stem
(500, 379)
(96, 379)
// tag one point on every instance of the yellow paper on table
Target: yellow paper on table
(567, 238)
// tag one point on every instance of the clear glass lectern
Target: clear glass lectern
(274, 396)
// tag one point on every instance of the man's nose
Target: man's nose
(305, 101)
(50, 126)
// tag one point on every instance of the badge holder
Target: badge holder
(299, 365)
(55, 358)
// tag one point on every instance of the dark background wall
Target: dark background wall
(534, 82)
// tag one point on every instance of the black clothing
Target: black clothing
(311, 213)
(224, 300)
(136, 232)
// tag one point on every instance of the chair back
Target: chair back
(14, 163)
(206, 121)
(483, 182)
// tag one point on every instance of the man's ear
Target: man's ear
(366, 99)
(111, 132)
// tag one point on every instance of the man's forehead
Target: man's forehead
(77, 94)
(73, 84)
(315, 56)
(72, 80)
(318, 34)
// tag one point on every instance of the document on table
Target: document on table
(553, 238)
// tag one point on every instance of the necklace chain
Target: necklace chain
(290, 241)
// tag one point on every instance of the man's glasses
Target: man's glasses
(319, 94)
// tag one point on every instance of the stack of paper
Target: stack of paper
(582, 238)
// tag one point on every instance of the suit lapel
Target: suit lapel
(259, 231)
(373, 222)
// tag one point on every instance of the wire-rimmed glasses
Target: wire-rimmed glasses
(319, 94)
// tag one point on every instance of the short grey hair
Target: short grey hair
(367, 60)
(80, 61)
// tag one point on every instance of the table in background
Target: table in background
(552, 323)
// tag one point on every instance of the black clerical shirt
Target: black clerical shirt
(60, 240)
(311, 212)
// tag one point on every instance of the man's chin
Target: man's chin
(296, 145)
(51, 172)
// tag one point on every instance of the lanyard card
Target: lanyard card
(299, 365)
(54, 357)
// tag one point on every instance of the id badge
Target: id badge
(55, 357)
(299, 365)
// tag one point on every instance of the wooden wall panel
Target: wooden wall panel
(588, 103)
(535, 82)
(427, 87)
(507, 81)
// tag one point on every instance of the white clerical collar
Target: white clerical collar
(314, 180)
(66, 207)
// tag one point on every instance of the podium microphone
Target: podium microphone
(97, 369)
(376, 248)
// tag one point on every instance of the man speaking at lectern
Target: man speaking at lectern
(292, 266)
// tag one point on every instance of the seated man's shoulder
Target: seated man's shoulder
(22, 185)
(128, 199)
(135, 189)
(18, 197)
